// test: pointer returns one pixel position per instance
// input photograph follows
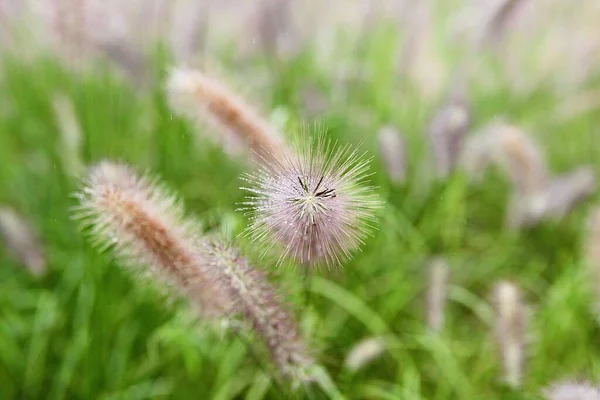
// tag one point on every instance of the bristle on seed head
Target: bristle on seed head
(315, 205)
(145, 227)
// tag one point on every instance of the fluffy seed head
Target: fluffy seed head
(478, 154)
(498, 20)
(314, 205)
(446, 132)
(255, 299)
(566, 191)
(555, 200)
(522, 159)
(514, 150)
(21, 241)
(145, 227)
(572, 391)
(199, 96)
(511, 321)
(439, 276)
(392, 150)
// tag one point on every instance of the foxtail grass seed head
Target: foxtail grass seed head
(70, 134)
(21, 241)
(446, 133)
(512, 149)
(510, 329)
(525, 211)
(522, 159)
(478, 155)
(145, 226)
(256, 300)
(572, 391)
(392, 150)
(560, 196)
(238, 125)
(437, 291)
(277, 33)
(499, 19)
(314, 206)
(364, 352)
(568, 190)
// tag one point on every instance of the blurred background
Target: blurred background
(434, 91)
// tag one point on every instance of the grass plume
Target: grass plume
(146, 228)
(392, 150)
(255, 299)
(22, 241)
(437, 291)
(239, 126)
(510, 329)
(446, 132)
(316, 205)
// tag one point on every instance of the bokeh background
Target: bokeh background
(84, 80)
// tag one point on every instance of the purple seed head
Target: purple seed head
(314, 204)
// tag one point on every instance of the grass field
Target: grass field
(90, 329)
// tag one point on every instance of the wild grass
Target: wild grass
(87, 330)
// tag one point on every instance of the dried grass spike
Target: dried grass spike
(437, 291)
(146, 228)
(21, 241)
(315, 206)
(392, 150)
(197, 95)
(255, 299)
(511, 324)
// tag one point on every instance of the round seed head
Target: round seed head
(314, 204)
